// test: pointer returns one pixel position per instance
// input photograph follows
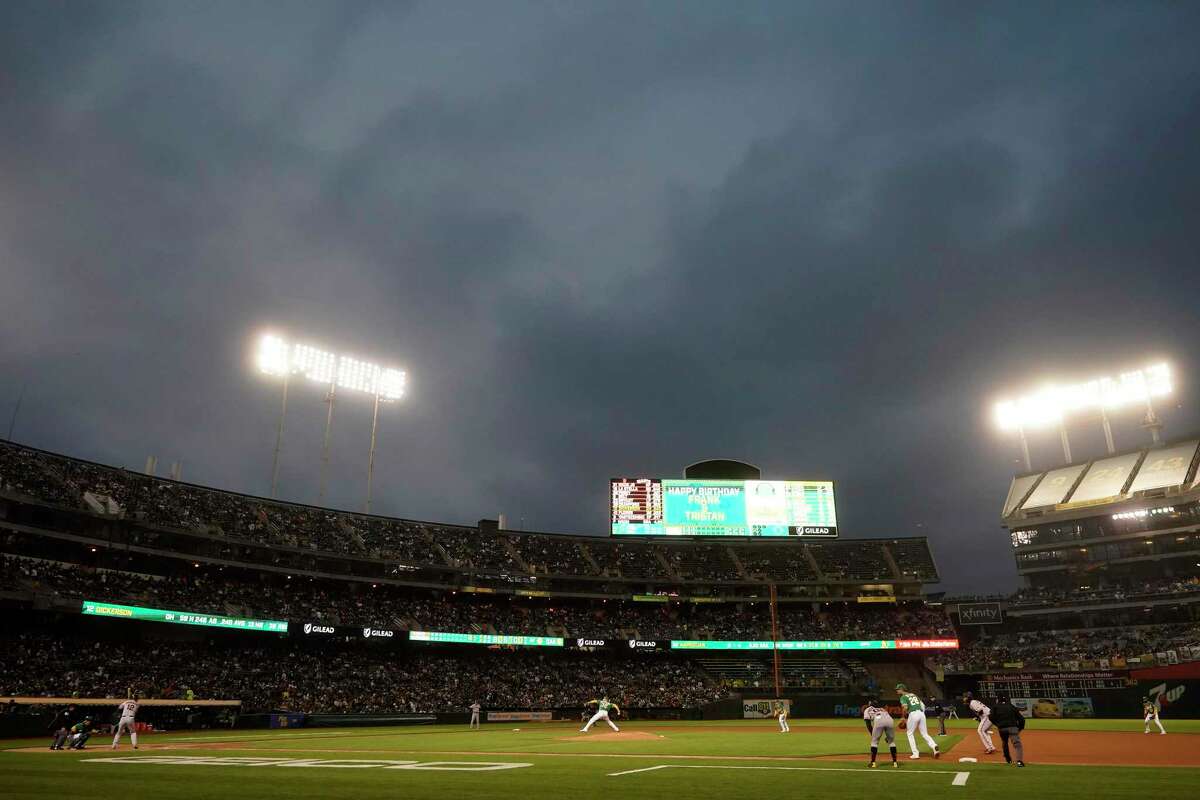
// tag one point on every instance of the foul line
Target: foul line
(259, 738)
(960, 778)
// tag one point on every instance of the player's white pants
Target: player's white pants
(600, 715)
(125, 726)
(1156, 722)
(885, 731)
(783, 723)
(985, 725)
(916, 720)
(474, 719)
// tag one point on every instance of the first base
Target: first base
(968, 760)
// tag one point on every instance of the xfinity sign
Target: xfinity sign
(980, 614)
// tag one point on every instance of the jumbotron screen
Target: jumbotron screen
(665, 507)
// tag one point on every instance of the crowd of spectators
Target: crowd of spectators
(237, 593)
(345, 679)
(1068, 649)
(174, 505)
(1135, 589)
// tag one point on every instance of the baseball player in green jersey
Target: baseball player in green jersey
(80, 733)
(915, 710)
(602, 708)
(781, 714)
(1150, 712)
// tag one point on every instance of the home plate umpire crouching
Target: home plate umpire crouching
(1010, 722)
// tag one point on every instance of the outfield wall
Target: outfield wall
(1175, 689)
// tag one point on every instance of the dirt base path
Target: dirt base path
(612, 736)
(1083, 748)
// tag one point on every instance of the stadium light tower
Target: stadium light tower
(1051, 404)
(278, 357)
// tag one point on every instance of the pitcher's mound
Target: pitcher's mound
(612, 736)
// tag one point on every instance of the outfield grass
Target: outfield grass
(706, 760)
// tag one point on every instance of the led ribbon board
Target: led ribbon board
(485, 638)
(98, 608)
(664, 507)
(873, 644)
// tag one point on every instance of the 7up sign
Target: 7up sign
(1162, 697)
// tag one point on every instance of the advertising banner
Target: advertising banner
(980, 614)
(1055, 708)
(589, 642)
(645, 644)
(324, 630)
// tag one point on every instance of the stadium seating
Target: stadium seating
(240, 593)
(283, 676)
(169, 506)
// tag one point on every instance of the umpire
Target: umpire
(1010, 722)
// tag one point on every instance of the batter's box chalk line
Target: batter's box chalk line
(960, 778)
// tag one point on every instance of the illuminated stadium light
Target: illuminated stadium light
(1142, 513)
(1048, 405)
(277, 357)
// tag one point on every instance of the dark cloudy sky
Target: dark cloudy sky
(604, 239)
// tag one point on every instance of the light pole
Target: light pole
(1066, 443)
(1025, 448)
(1108, 437)
(279, 438)
(371, 456)
(325, 443)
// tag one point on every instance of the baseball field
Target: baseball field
(818, 759)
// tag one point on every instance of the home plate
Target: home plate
(968, 760)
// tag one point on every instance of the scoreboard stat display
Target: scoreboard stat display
(664, 507)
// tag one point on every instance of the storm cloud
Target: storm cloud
(604, 239)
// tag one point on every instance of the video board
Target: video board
(666, 507)
(99, 608)
(857, 644)
(485, 638)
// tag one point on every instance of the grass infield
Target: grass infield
(728, 759)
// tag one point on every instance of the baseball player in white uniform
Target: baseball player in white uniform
(880, 724)
(915, 710)
(474, 714)
(602, 707)
(127, 723)
(781, 714)
(984, 714)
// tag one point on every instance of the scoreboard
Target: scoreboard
(1052, 684)
(665, 507)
